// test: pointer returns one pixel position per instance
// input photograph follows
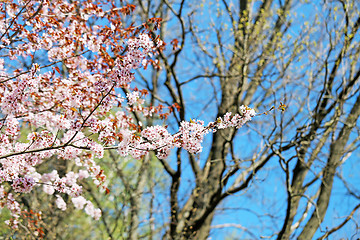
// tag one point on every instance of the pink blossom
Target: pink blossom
(97, 149)
(132, 97)
(92, 211)
(48, 188)
(70, 178)
(75, 190)
(12, 126)
(23, 184)
(192, 134)
(83, 174)
(60, 203)
(79, 202)
(50, 176)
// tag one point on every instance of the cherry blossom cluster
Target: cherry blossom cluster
(138, 50)
(67, 106)
(7, 200)
(190, 135)
(238, 120)
(79, 203)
